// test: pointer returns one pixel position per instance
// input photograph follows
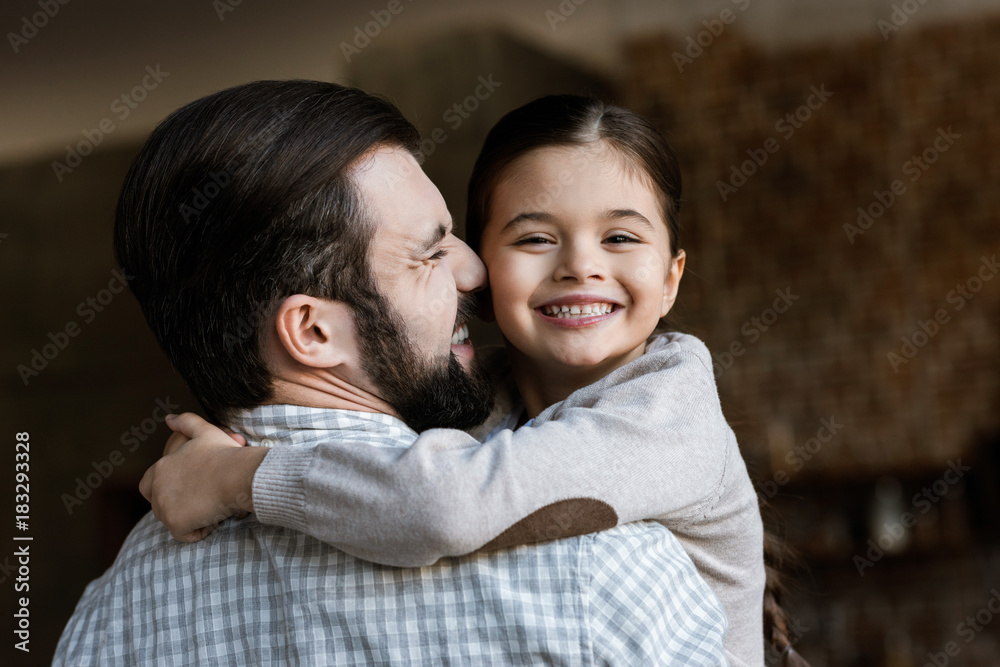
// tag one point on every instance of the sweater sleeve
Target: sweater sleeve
(648, 441)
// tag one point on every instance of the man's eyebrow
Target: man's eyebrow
(442, 231)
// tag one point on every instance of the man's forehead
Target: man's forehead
(408, 208)
(384, 163)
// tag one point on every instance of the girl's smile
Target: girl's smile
(578, 310)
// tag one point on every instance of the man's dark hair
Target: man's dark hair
(237, 201)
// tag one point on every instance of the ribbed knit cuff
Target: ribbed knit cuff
(279, 497)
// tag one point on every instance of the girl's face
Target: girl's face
(578, 255)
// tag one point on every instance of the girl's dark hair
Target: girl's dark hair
(237, 201)
(777, 555)
(572, 120)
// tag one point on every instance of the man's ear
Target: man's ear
(316, 332)
(673, 282)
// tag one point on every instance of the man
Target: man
(324, 239)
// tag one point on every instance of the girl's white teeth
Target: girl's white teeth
(461, 335)
(578, 310)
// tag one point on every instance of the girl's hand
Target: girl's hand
(203, 478)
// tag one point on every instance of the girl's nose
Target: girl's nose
(579, 262)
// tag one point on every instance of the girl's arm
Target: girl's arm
(647, 441)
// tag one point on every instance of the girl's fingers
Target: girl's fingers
(189, 424)
(175, 441)
(237, 437)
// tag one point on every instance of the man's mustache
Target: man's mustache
(468, 308)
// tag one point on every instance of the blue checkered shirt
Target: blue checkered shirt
(251, 594)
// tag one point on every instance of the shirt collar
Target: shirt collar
(298, 424)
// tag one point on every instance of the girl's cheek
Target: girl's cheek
(507, 298)
(649, 271)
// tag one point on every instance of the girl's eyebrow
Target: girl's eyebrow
(620, 213)
(532, 216)
(611, 214)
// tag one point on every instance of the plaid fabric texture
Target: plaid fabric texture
(251, 594)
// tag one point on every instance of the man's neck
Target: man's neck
(321, 389)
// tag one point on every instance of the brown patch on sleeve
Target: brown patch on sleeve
(566, 518)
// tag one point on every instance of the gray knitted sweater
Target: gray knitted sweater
(647, 441)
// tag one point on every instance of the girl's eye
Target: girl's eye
(532, 240)
(622, 238)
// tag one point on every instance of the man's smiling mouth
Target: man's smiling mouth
(460, 335)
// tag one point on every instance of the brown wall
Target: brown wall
(859, 292)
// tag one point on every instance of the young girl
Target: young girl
(573, 208)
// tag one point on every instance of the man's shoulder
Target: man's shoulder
(641, 543)
(636, 550)
(147, 536)
(641, 577)
(150, 546)
(234, 586)
(84, 639)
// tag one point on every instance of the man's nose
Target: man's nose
(579, 262)
(468, 270)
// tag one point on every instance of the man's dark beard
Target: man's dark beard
(424, 394)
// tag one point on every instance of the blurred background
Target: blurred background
(840, 218)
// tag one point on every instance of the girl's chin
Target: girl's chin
(587, 359)
(578, 362)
